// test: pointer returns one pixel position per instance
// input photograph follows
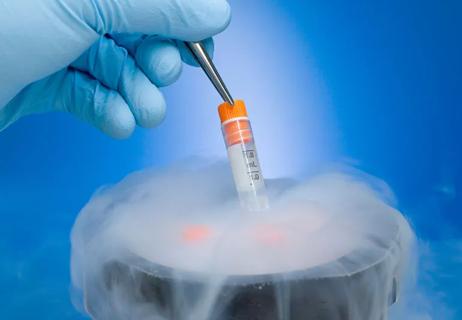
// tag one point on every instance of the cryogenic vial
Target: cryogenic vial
(242, 156)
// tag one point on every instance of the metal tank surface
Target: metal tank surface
(348, 297)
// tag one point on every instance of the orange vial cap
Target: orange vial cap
(228, 111)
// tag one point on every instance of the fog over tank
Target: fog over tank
(174, 244)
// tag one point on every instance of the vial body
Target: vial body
(243, 158)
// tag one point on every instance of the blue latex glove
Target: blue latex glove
(102, 60)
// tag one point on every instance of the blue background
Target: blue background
(374, 84)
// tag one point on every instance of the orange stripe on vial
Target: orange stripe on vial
(235, 125)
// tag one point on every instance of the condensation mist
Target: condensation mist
(174, 244)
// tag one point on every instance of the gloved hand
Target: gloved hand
(102, 60)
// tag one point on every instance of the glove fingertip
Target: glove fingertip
(160, 60)
(168, 69)
(119, 122)
(150, 107)
(218, 18)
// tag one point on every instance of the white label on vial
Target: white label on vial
(245, 167)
